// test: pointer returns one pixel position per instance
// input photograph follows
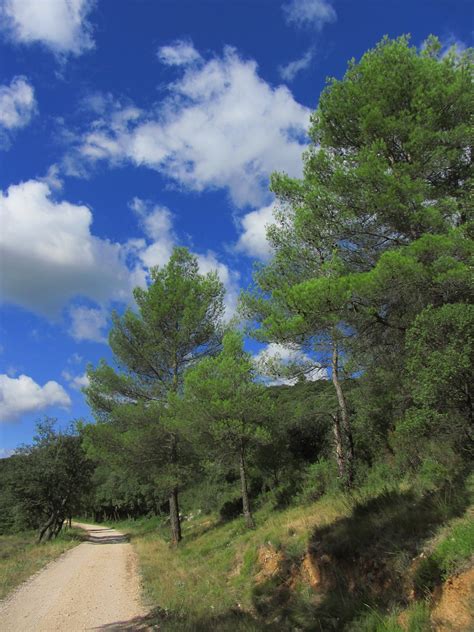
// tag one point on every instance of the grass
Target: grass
(210, 578)
(416, 618)
(451, 551)
(213, 580)
(21, 557)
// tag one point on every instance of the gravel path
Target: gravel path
(94, 586)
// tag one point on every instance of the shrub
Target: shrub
(320, 478)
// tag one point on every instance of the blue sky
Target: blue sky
(131, 126)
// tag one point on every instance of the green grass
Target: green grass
(213, 579)
(209, 579)
(21, 557)
(451, 551)
(416, 618)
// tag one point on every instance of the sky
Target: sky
(130, 126)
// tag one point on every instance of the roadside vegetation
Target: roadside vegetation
(357, 562)
(20, 557)
(322, 483)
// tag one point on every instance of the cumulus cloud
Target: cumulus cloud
(22, 395)
(309, 13)
(289, 71)
(253, 240)
(157, 224)
(17, 103)
(60, 25)
(88, 323)
(180, 53)
(49, 255)
(222, 126)
(284, 365)
(229, 278)
(77, 382)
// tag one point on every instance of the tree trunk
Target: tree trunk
(44, 528)
(174, 517)
(58, 526)
(175, 520)
(347, 441)
(341, 464)
(245, 494)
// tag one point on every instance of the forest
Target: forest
(363, 412)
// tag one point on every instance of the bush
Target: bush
(319, 479)
(231, 509)
(382, 476)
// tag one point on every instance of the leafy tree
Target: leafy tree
(440, 378)
(228, 408)
(389, 165)
(300, 434)
(390, 157)
(47, 480)
(177, 324)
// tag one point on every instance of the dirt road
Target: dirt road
(94, 586)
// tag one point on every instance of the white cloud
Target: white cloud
(281, 363)
(253, 240)
(75, 358)
(77, 382)
(61, 25)
(453, 43)
(289, 71)
(157, 224)
(49, 255)
(229, 278)
(309, 13)
(22, 395)
(221, 127)
(180, 53)
(88, 323)
(17, 103)
(5, 453)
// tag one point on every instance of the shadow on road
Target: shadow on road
(108, 539)
(165, 621)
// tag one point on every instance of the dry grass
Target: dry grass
(21, 557)
(212, 572)
(209, 581)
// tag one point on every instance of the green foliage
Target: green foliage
(376, 232)
(176, 325)
(227, 405)
(319, 478)
(45, 482)
(440, 345)
(416, 618)
(454, 550)
(227, 408)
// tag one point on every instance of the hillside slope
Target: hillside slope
(369, 562)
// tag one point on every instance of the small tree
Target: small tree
(51, 475)
(176, 325)
(228, 408)
(440, 378)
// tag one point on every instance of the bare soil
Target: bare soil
(454, 611)
(95, 586)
